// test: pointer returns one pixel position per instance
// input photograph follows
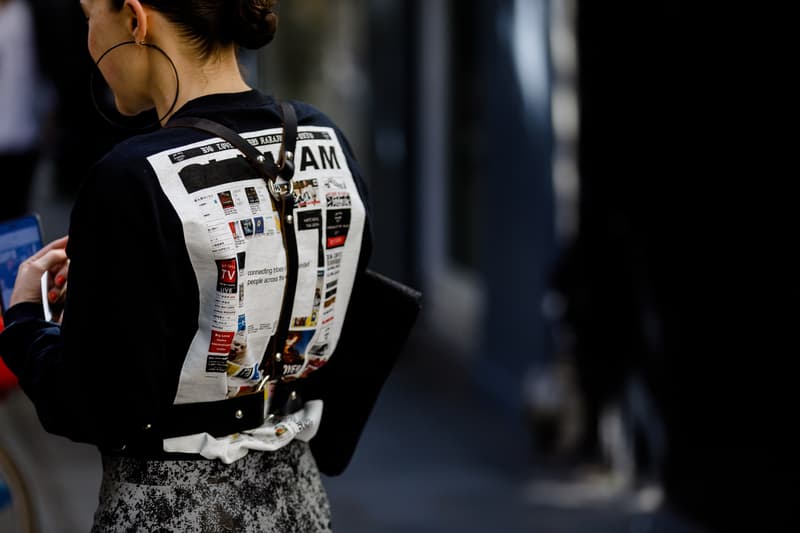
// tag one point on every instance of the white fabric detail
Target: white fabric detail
(272, 435)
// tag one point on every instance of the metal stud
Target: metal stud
(260, 159)
(288, 155)
(238, 414)
(293, 395)
(289, 219)
(278, 357)
(148, 427)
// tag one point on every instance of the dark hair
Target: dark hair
(212, 24)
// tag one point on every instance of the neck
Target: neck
(219, 74)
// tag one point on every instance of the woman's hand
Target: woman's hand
(52, 259)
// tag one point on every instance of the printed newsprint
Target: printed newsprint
(233, 237)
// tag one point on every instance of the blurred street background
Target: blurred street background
(583, 191)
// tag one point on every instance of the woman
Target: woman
(175, 252)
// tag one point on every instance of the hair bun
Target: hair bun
(254, 23)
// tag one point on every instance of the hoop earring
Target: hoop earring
(123, 126)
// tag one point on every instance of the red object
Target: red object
(7, 380)
(335, 242)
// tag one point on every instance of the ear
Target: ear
(137, 19)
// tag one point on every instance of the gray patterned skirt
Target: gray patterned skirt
(277, 491)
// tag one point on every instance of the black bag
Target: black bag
(379, 319)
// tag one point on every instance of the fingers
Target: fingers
(60, 278)
(54, 259)
(56, 262)
(58, 290)
(27, 287)
(58, 244)
(55, 296)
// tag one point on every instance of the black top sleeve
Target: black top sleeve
(109, 369)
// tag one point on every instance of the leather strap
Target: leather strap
(278, 178)
(286, 153)
(220, 418)
(224, 132)
(263, 164)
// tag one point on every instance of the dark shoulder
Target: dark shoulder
(140, 147)
(308, 115)
(126, 164)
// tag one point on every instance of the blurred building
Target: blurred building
(448, 105)
(473, 178)
(547, 234)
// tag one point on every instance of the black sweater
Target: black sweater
(133, 300)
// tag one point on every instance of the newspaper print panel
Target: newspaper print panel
(234, 243)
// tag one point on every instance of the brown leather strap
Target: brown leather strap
(264, 164)
(278, 178)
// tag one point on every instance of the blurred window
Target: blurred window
(319, 57)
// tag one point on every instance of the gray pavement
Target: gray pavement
(435, 457)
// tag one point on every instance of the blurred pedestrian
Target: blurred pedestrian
(76, 135)
(19, 127)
